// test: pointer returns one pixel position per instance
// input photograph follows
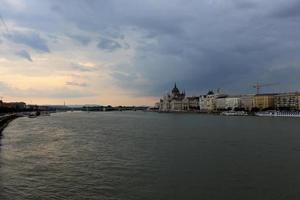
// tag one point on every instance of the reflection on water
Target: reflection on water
(137, 155)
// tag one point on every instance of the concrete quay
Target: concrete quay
(5, 119)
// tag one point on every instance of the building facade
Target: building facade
(299, 102)
(208, 102)
(232, 103)
(264, 101)
(178, 101)
(287, 101)
(173, 101)
(14, 105)
(228, 103)
(221, 104)
(191, 103)
(247, 102)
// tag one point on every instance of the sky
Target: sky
(130, 52)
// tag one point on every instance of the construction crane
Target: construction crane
(258, 86)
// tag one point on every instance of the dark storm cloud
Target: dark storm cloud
(30, 39)
(108, 44)
(199, 44)
(244, 4)
(288, 10)
(24, 54)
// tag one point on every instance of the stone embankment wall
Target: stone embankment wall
(5, 119)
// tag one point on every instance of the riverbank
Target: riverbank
(5, 120)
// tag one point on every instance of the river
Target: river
(140, 155)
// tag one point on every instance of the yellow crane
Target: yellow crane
(258, 86)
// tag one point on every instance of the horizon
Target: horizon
(131, 53)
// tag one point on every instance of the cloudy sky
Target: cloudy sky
(132, 51)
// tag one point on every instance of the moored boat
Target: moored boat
(278, 114)
(234, 113)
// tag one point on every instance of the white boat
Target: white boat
(234, 113)
(278, 114)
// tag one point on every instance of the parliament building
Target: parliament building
(177, 101)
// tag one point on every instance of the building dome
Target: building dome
(210, 92)
(175, 90)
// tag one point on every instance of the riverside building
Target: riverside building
(191, 103)
(14, 105)
(287, 101)
(247, 102)
(217, 102)
(208, 102)
(264, 102)
(221, 104)
(178, 101)
(173, 101)
(299, 102)
(232, 102)
(228, 103)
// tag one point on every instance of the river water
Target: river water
(138, 155)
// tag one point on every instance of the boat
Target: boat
(234, 113)
(278, 114)
(32, 115)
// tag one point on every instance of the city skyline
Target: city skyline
(130, 53)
